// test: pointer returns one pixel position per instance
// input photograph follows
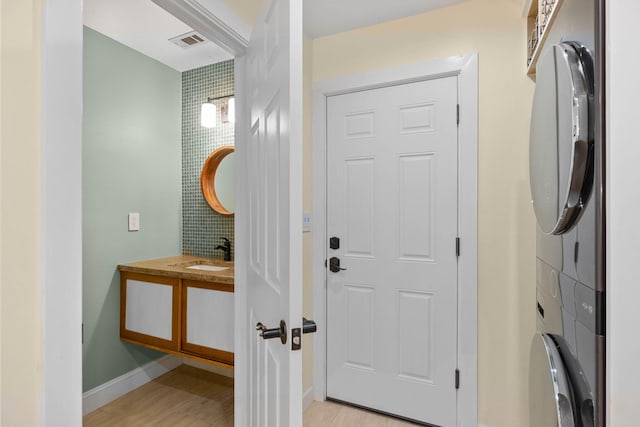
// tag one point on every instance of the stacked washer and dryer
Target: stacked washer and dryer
(567, 187)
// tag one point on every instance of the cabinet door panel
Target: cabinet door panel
(209, 314)
(149, 310)
(207, 320)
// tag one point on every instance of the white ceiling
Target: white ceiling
(324, 17)
(145, 27)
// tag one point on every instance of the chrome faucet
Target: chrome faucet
(226, 247)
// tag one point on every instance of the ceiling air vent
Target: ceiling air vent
(188, 40)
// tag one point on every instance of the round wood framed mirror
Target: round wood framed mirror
(217, 181)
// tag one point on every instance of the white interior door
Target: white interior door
(274, 220)
(392, 196)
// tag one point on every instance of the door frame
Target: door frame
(61, 192)
(465, 67)
(60, 121)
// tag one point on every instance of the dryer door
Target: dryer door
(550, 397)
(561, 139)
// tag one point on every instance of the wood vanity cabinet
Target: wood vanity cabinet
(185, 317)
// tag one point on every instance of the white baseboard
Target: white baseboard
(484, 425)
(307, 398)
(209, 367)
(109, 391)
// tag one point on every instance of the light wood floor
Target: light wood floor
(192, 397)
(186, 396)
(330, 414)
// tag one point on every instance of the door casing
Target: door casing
(61, 118)
(466, 68)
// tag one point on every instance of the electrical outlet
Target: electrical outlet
(134, 221)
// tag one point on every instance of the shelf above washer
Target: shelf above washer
(540, 32)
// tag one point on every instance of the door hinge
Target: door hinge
(457, 379)
(458, 114)
(457, 246)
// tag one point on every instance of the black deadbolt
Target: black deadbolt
(334, 243)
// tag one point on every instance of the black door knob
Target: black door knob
(334, 265)
(308, 326)
(268, 334)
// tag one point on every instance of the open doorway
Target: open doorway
(145, 148)
(275, 178)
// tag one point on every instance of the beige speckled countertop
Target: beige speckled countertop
(176, 267)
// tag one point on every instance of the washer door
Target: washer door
(550, 397)
(561, 141)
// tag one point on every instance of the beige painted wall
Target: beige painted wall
(496, 31)
(21, 353)
(248, 10)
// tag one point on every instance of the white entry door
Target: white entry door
(392, 195)
(274, 220)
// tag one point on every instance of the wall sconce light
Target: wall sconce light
(208, 112)
(232, 110)
(208, 115)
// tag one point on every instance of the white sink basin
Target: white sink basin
(207, 267)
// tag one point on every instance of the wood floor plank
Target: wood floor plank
(348, 416)
(320, 414)
(332, 414)
(191, 397)
(393, 422)
(186, 396)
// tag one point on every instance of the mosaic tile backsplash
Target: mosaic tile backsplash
(202, 228)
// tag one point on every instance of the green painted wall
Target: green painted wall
(131, 163)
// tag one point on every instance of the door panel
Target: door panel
(415, 207)
(274, 220)
(415, 355)
(360, 211)
(359, 323)
(393, 201)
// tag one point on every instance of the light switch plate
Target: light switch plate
(306, 222)
(134, 221)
